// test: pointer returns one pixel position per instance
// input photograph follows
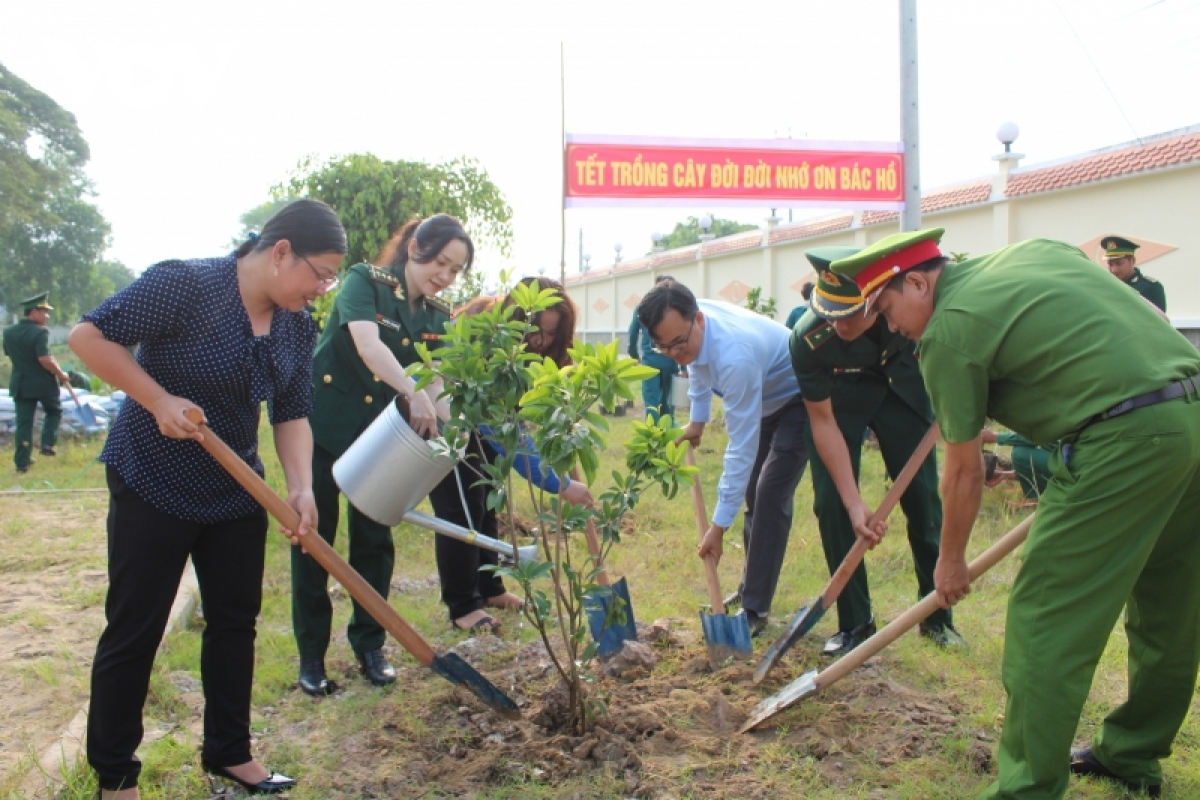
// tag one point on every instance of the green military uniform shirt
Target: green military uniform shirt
(856, 375)
(347, 395)
(25, 343)
(1041, 362)
(1149, 288)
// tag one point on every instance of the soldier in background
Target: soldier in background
(1121, 261)
(35, 379)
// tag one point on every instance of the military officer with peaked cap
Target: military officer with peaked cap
(1121, 260)
(854, 373)
(1035, 338)
(35, 379)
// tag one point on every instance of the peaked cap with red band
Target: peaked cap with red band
(872, 267)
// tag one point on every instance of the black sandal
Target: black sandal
(486, 621)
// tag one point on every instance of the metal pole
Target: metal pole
(562, 154)
(910, 219)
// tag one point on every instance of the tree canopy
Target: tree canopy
(688, 232)
(374, 197)
(51, 236)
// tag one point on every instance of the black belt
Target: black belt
(1171, 391)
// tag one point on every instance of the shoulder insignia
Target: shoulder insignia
(818, 335)
(438, 304)
(382, 276)
(1148, 278)
(390, 324)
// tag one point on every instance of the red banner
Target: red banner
(613, 170)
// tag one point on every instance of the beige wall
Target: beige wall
(1158, 206)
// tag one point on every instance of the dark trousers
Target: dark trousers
(464, 587)
(372, 554)
(26, 408)
(899, 430)
(147, 552)
(778, 467)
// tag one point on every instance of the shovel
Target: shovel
(726, 636)
(437, 525)
(604, 611)
(812, 682)
(809, 615)
(448, 665)
(86, 415)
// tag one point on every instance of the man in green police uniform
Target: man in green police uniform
(656, 391)
(856, 374)
(35, 379)
(348, 397)
(1036, 338)
(1121, 261)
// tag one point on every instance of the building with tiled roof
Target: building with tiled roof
(1143, 190)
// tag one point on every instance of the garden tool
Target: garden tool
(726, 636)
(438, 525)
(812, 682)
(449, 665)
(603, 613)
(809, 615)
(86, 415)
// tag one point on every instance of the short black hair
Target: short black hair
(664, 296)
(806, 290)
(662, 278)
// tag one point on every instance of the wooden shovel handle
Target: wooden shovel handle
(593, 544)
(928, 604)
(710, 564)
(317, 547)
(839, 579)
(74, 396)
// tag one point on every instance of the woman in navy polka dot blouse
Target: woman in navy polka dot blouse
(220, 335)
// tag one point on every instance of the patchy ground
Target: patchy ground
(52, 583)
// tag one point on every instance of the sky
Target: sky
(194, 109)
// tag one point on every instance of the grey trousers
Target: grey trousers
(778, 467)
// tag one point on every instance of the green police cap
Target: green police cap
(833, 297)
(37, 301)
(872, 267)
(1118, 246)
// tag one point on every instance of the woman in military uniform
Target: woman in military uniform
(380, 315)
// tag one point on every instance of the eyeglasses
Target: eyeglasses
(327, 283)
(677, 343)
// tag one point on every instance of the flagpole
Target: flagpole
(562, 155)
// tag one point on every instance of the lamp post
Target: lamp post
(617, 249)
(656, 238)
(705, 223)
(587, 257)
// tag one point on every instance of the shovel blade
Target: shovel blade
(801, 623)
(802, 687)
(451, 667)
(604, 619)
(727, 637)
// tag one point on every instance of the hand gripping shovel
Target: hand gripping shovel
(809, 615)
(449, 665)
(812, 682)
(726, 636)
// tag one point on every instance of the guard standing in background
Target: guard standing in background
(35, 379)
(854, 373)
(656, 391)
(1121, 261)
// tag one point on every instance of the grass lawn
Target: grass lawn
(914, 723)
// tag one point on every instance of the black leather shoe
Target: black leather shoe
(274, 783)
(1083, 762)
(376, 669)
(313, 681)
(843, 642)
(49, 451)
(23, 470)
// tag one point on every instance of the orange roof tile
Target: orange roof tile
(734, 242)
(1108, 164)
(806, 230)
